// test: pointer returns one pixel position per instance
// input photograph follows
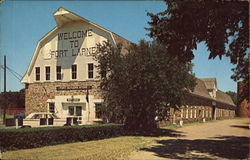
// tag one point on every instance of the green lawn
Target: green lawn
(107, 149)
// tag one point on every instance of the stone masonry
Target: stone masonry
(36, 94)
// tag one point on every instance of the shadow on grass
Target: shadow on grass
(240, 126)
(230, 147)
(159, 132)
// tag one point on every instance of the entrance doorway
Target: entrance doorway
(76, 113)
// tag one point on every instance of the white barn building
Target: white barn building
(62, 68)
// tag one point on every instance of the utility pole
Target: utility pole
(4, 91)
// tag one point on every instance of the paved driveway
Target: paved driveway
(227, 139)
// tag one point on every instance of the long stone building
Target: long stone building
(62, 78)
(206, 102)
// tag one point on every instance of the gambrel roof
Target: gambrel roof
(63, 16)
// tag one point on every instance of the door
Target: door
(75, 113)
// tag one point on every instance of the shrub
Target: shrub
(12, 139)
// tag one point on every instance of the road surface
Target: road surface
(225, 139)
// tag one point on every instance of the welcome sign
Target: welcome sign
(70, 44)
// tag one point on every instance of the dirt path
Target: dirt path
(227, 139)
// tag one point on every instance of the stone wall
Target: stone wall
(37, 94)
(197, 108)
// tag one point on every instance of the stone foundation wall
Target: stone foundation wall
(37, 94)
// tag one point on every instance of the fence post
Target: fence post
(204, 120)
(16, 122)
(181, 122)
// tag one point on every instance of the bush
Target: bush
(12, 139)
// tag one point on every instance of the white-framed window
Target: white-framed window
(74, 71)
(47, 73)
(76, 110)
(203, 112)
(209, 112)
(191, 112)
(103, 74)
(99, 110)
(58, 73)
(37, 73)
(195, 112)
(182, 113)
(90, 70)
(51, 107)
(71, 111)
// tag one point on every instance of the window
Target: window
(195, 112)
(103, 74)
(37, 73)
(47, 73)
(58, 73)
(99, 110)
(203, 112)
(51, 107)
(75, 110)
(181, 113)
(36, 116)
(71, 110)
(78, 111)
(191, 112)
(91, 70)
(187, 113)
(74, 71)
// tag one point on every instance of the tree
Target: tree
(142, 84)
(223, 25)
(12, 99)
(233, 95)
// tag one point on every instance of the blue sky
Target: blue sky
(23, 23)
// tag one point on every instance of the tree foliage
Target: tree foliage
(233, 95)
(223, 25)
(12, 99)
(142, 84)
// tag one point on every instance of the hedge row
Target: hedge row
(12, 139)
